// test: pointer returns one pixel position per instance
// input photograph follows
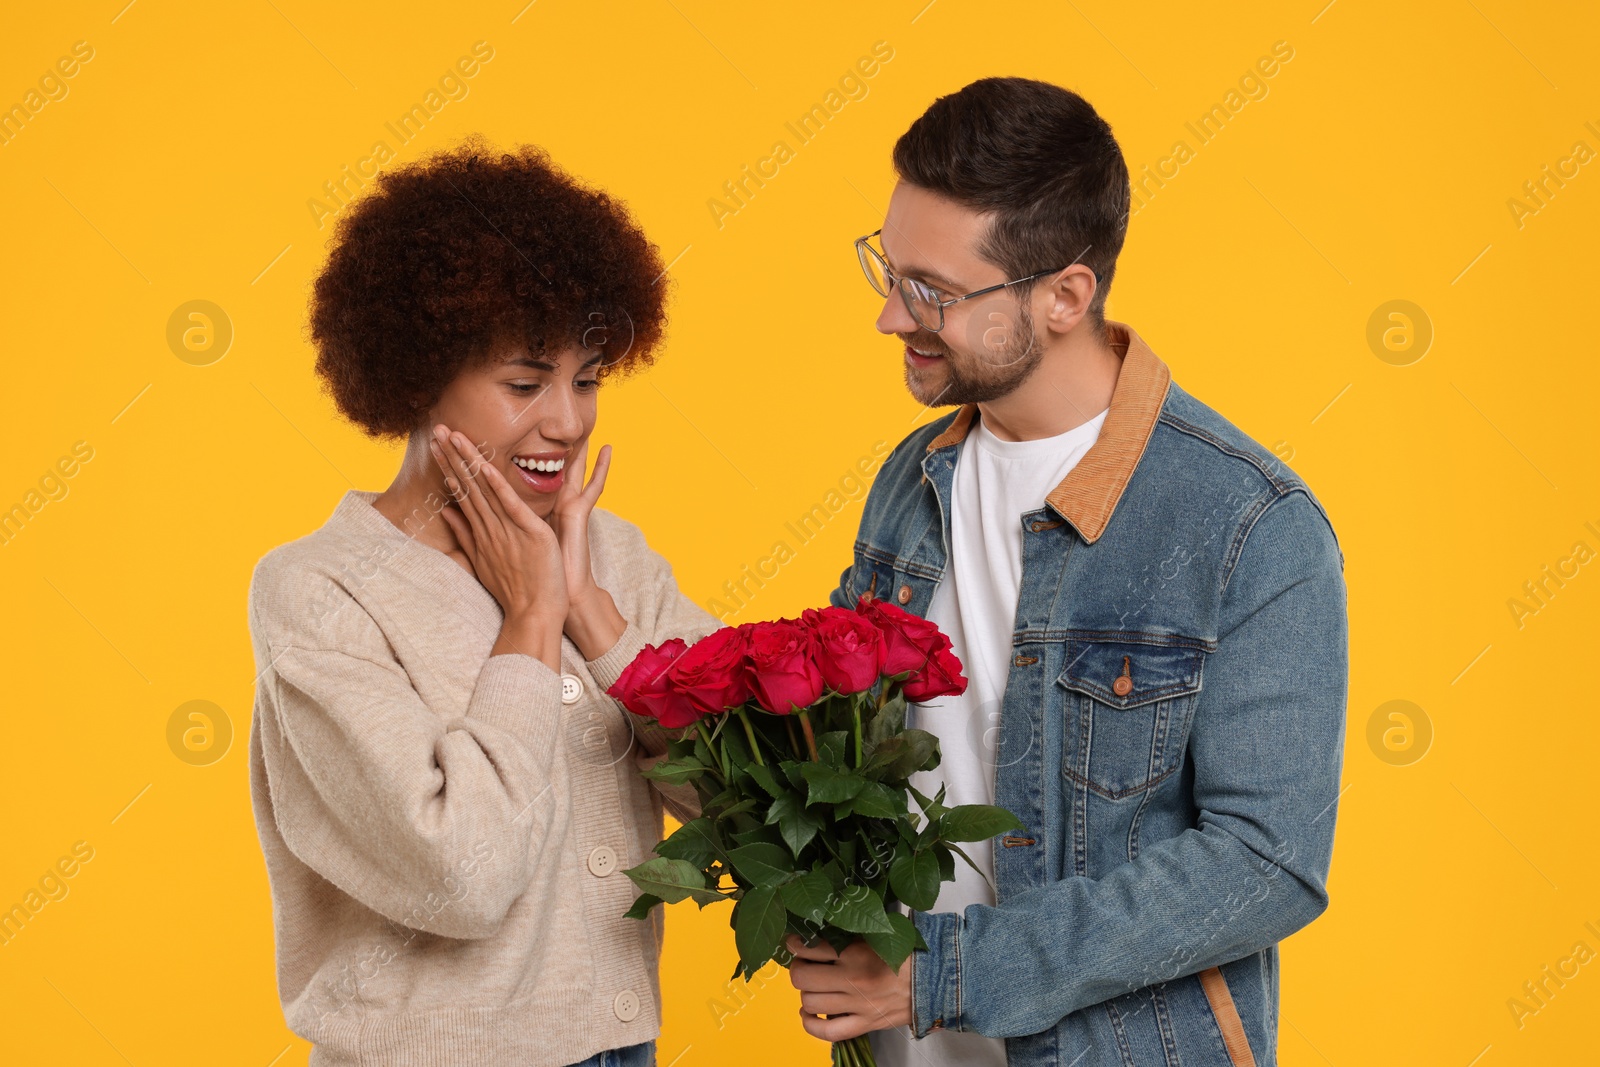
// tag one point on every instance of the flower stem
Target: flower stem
(855, 714)
(722, 764)
(794, 741)
(805, 727)
(856, 1052)
(749, 732)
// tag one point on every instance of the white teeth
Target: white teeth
(548, 466)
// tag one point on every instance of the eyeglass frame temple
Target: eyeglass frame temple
(860, 242)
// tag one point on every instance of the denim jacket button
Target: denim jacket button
(1123, 685)
(904, 596)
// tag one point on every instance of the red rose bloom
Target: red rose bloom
(916, 647)
(782, 666)
(908, 641)
(712, 673)
(644, 689)
(850, 649)
(941, 677)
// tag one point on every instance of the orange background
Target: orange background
(1380, 163)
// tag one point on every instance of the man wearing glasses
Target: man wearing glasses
(1150, 608)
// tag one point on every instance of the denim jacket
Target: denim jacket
(1171, 736)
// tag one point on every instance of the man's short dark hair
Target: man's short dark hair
(1042, 160)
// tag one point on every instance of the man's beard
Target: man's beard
(988, 374)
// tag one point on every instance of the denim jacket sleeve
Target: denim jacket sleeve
(1266, 748)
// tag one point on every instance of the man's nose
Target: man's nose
(894, 318)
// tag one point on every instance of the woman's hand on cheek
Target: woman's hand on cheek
(515, 553)
(593, 622)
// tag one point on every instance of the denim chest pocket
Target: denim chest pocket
(1127, 711)
(891, 580)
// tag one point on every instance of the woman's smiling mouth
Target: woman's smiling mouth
(542, 471)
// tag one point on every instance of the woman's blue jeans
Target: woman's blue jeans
(640, 1055)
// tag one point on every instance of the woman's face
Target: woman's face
(529, 415)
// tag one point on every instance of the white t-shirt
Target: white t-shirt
(996, 482)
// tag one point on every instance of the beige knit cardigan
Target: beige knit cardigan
(445, 831)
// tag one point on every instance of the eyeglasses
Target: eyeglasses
(922, 300)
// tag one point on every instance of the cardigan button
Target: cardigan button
(904, 595)
(571, 688)
(602, 861)
(626, 1005)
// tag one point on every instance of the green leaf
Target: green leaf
(931, 810)
(641, 907)
(914, 877)
(958, 851)
(694, 842)
(829, 786)
(764, 777)
(743, 805)
(884, 722)
(860, 911)
(672, 880)
(673, 772)
(835, 875)
(831, 747)
(976, 822)
(762, 864)
(714, 806)
(738, 752)
(947, 863)
(759, 834)
(791, 771)
(895, 946)
(878, 801)
(797, 825)
(758, 927)
(906, 753)
(807, 896)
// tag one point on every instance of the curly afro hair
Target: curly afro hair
(466, 250)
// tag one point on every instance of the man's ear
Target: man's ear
(1068, 295)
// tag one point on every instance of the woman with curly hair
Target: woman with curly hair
(445, 795)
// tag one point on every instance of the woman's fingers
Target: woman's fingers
(515, 511)
(572, 485)
(456, 480)
(597, 480)
(481, 470)
(468, 463)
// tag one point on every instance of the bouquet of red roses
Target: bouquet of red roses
(793, 734)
